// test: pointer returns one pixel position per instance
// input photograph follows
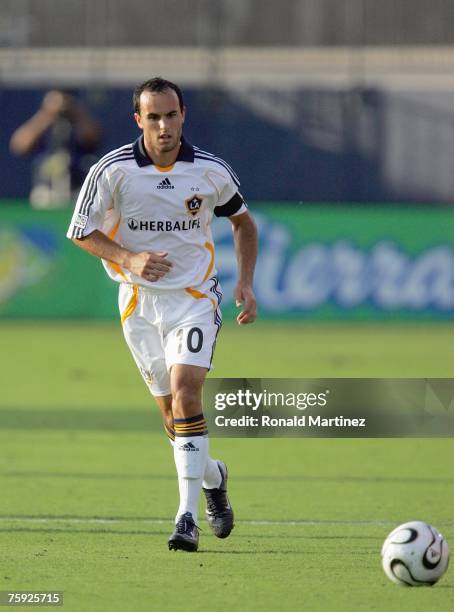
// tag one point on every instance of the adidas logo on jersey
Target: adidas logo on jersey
(189, 446)
(165, 184)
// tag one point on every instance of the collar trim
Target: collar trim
(185, 154)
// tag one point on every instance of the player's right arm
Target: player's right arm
(148, 265)
(86, 229)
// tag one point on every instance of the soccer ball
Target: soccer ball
(415, 554)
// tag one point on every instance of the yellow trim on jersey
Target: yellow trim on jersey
(198, 295)
(114, 230)
(131, 304)
(114, 266)
(164, 168)
(117, 269)
(210, 248)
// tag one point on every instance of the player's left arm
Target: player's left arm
(245, 238)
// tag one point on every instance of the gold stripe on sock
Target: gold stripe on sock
(199, 427)
(189, 425)
(169, 432)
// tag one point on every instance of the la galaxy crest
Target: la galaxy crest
(194, 204)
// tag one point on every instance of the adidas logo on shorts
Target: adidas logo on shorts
(165, 184)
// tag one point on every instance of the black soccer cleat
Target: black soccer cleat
(186, 534)
(219, 511)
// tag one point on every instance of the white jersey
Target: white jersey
(146, 208)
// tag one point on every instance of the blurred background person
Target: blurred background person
(64, 136)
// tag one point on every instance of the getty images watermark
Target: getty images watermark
(245, 398)
(329, 407)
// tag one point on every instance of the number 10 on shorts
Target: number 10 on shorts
(192, 344)
(194, 340)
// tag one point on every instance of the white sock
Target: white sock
(212, 477)
(190, 453)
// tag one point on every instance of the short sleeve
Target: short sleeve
(230, 201)
(95, 199)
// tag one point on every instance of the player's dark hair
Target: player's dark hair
(159, 85)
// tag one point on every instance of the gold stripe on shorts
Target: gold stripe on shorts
(131, 304)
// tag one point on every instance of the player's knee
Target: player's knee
(186, 402)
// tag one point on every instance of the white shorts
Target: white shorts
(163, 328)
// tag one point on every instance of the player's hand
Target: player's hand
(150, 266)
(244, 296)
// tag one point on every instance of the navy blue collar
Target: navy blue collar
(186, 152)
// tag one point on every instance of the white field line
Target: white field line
(157, 521)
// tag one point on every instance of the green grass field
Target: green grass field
(88, 489)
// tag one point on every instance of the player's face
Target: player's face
(161, 120)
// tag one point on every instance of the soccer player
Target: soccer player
(145, 209)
